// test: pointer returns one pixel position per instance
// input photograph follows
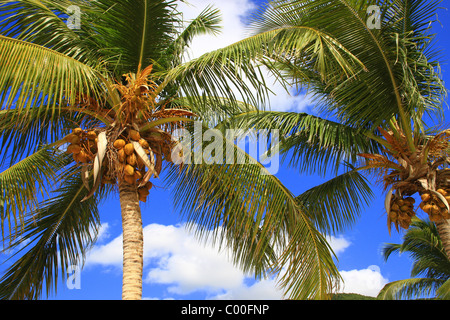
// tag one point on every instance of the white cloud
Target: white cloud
(365, 281)
(175, 258)
(261, 290)
(186, 265)
(338, 244)
(103, 232)
(107, 254)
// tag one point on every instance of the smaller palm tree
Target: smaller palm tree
(424, 245)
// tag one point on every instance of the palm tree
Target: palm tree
(92, 111)
(370, 120)
(423, 244)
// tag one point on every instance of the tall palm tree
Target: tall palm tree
(370, 120)
(423, 244)
(92, 111)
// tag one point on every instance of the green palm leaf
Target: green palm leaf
(423, 244)
(408, 288)
(25, 133)
(22, 184)
(312, 144)
(145, 32)
(392, 63)
(251, 209)
(207, 22)
(338, 202)
(55, 236)
(34, 76)
(32, 21)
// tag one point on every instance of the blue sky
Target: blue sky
(176, 266)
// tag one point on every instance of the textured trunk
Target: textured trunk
(132, 242)
(443, 228)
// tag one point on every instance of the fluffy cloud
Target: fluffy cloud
(338, 244)
(261, 290)
(367, 281)
(175, 258)
(185, 264)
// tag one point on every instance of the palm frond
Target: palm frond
(252, 210)
(34, 76)
(55, 236)
(338, 202)
(312, 144)
(422, 242)
(35, 21)
(147, 29)
(24, 133)
(401, 74)
(24, 183)
(444, 291)
(409, 289)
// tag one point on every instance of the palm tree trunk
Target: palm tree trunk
(132, 242)
(443, 228)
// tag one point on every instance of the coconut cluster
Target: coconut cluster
(133, 166)
(433, 205)
(82, 145)
(402, 210)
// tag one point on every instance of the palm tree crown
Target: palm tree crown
(422, 242)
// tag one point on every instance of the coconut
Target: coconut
(119, 143)
(442, 191)
(77, 131)
(395, 207)
(405, 208)
(132, 160)
(435, 209)
(393, 214)
(74, 139)
(91, 135)
(410, 200)
(426, 197)
(129, 170)
(144, 144)
(427, 208)
(129, 149)
(69, 137)
(137, 175)
(83, 157)
(134, 135)
(143, 198)
(149, 185)
(121, 155)
(74, 148)
(143, 191)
